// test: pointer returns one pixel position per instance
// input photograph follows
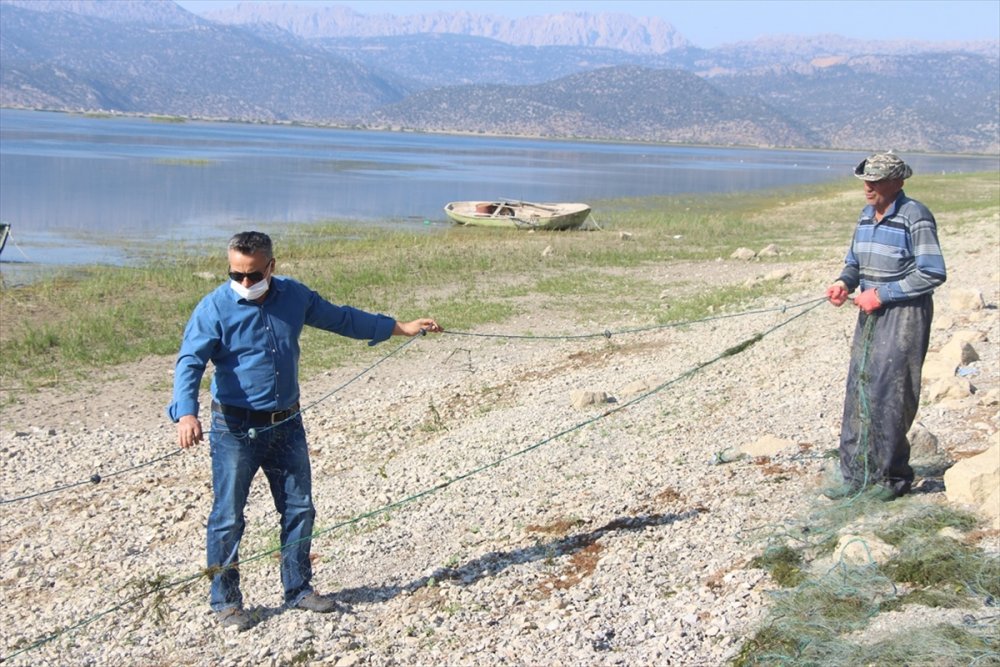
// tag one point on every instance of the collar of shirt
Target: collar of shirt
(869, 211)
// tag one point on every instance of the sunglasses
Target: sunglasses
(253, 276)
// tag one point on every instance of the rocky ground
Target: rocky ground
(601, 534)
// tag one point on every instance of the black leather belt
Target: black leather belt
(256, 417)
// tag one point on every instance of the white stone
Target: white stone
(966, 299)
(768, 445)
(950, 388)
(770, 250)
(633, 389)
(582, 398)
(778, 275)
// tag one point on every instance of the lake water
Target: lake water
(80, 189)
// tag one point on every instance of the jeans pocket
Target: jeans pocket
(227, 424)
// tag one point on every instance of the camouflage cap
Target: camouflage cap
(882, 167)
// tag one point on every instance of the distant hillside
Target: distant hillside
(573, 75)
(625, 102)
(792, 49)
(443, 60)
(617, 31)
(932, 102)
(58, 59)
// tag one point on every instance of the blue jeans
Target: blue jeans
(283, 455)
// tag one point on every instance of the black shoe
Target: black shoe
(927, 485)
(235, 617)
(884, 493)
(316, 602)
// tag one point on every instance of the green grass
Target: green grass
(927, 524)
(63, 328)
(945, 564)
(784, 564)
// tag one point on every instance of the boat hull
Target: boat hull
(518, 214)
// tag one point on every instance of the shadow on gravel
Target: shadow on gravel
(493, 563)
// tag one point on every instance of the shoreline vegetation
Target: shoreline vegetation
(64, 327)
(161, 118)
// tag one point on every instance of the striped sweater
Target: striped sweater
(900, 255)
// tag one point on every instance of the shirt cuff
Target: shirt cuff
(384, 326)
(176, 410)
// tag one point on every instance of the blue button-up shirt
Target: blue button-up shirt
(255, 346)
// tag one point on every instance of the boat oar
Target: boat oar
(518, 202)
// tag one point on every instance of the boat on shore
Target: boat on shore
(4, 233)
(518, 214)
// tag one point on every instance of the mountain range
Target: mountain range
(605, 76)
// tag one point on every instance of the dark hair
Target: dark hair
(250, 243)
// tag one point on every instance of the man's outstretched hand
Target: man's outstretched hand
(424, 324)
(837, 293)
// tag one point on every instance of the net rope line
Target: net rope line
(96, 478)
(864, 401)
(160, 588)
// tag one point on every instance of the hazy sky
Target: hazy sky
(708, 23)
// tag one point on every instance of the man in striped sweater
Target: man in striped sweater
(895, 261)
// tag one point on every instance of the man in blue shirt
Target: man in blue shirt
(249, 329)
(895, 260)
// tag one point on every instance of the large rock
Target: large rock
(962, 300)
(923, 443)
(992, 397)
(856, 546)
(942, 322)
(958, 352)
(863, 550)
(991, 508)
(949, 388)
(975, 481)
(968, 336)
(937, 367)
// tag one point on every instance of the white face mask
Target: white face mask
(254, 292)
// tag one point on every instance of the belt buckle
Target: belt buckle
(278, 417)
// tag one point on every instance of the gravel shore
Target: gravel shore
(615, 533)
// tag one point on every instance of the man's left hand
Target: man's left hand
(868, 301)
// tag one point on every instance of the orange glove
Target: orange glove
(837, 293)
(868, 301)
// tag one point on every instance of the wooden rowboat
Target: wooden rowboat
(4, 233)
(517, 214)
